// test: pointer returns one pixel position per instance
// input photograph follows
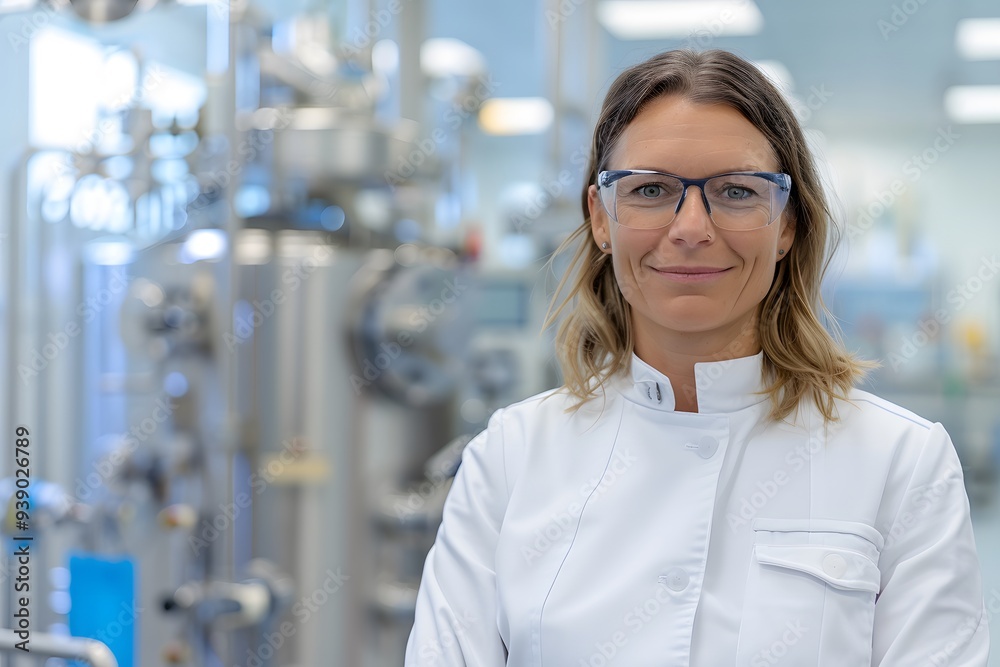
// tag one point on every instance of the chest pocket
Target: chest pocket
(811, 587)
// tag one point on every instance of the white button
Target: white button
(707, 446)
(835, 565)
(675, 579)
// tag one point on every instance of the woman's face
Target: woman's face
(654, 267)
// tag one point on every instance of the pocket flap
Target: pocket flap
(839, 567)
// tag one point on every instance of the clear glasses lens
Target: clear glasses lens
(735, 201)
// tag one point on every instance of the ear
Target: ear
(786, 237)
(598, 218)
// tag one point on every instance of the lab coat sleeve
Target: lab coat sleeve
(930, 609)
(455, 622)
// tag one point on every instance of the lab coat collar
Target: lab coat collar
(722, 386)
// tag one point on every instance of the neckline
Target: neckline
(723, 386)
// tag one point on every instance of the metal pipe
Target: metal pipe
(555, 86)
(45, 645)
(14, 296)
(411, 35)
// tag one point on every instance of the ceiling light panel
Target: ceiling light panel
(978, 39)
(973, 104)
(662, 19)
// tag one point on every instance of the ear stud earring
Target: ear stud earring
(781, 252)
(605, 245)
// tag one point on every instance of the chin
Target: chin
(692, 314)
(689, 320)
(692, 307)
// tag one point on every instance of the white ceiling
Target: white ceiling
(881, 79)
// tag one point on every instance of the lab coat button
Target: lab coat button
(707, 446)
(676, 579)
(834, 565)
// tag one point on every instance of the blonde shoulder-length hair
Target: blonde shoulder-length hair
(801, 358)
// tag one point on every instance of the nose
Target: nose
(692, 221)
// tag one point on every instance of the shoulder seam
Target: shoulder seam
(926, 424)
(503, 452)
(536, 397)
(909, 483)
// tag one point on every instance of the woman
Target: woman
(708, 487)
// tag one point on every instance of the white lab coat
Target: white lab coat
(631, 534)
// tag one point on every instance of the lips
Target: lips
(691, 274)
(690, 269)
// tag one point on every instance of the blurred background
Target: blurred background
(268, 266)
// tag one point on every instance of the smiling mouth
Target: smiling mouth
(690, 274)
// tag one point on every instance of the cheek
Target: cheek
(760, 277)
(759, 267)
(626, 282)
